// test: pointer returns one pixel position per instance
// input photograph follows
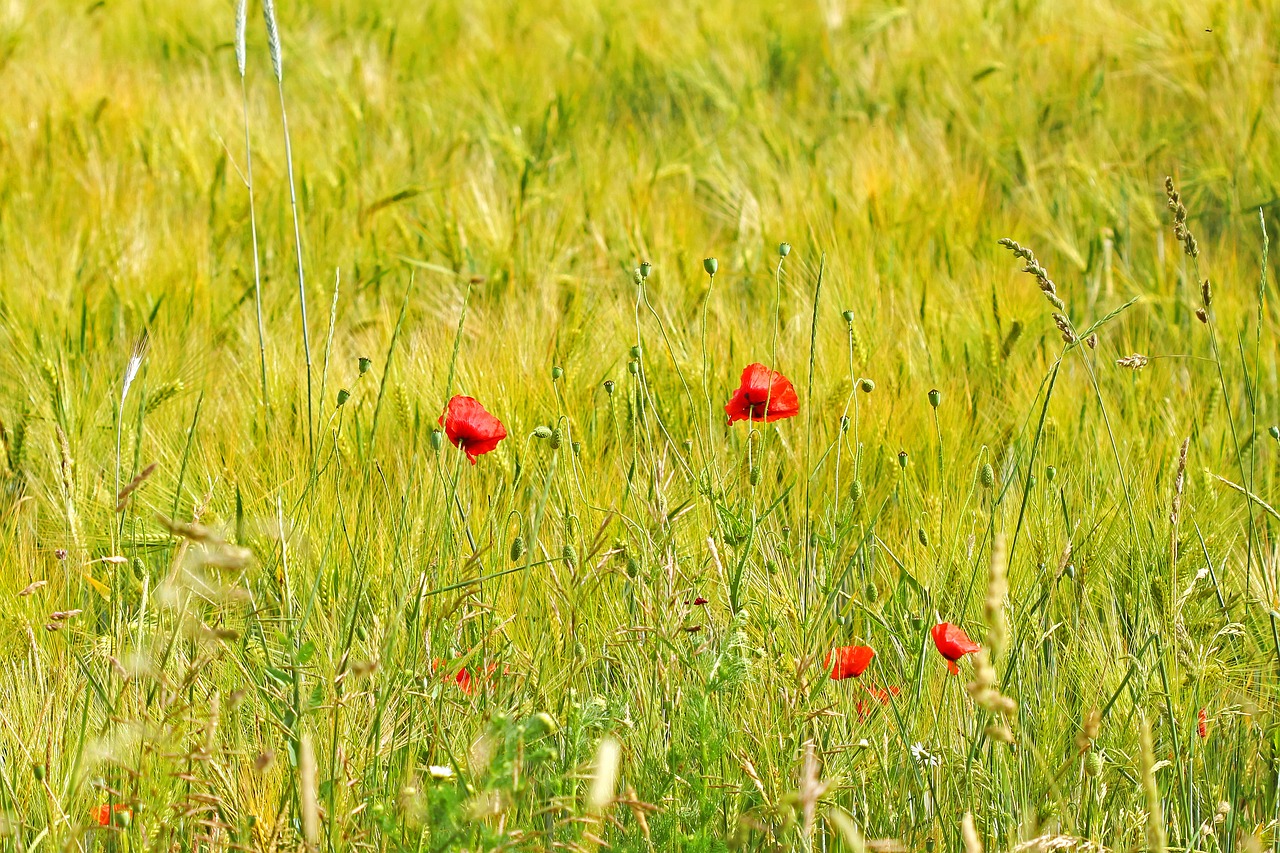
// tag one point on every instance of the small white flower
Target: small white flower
(440, 771)
(919, 753)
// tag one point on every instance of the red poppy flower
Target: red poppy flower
(763, 395)
(1202, 724)
(881, 695)
(848, 661)
(953, 643)
(462, 678)
(471, 428)
(101, 815)
(699, 601)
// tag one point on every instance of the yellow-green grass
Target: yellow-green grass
(485, 177)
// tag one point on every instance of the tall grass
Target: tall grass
(323, 629)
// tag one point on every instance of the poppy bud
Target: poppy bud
(1274, 431)
(557, 372)
(365, 364)
(437, 440)
(1093, 763)
(784, 249)
(636, 276)
(1051, 473)
(570, 556)
(37, 770)
(902, 459)
(343, 396)
(754, 477)
(935, 397)
(867, 386)
(608, 387)
(557, 438)
(633, 368)
(645, 269)
(844, 423)
(542, 432)
(771, 566)
(924, 537)
(848, 316)
(577, 447)
(710, 265)
(855, 492)
(687, 444)
(633, 567)
(1031, 481)
(987, 476)
(635, 352)
(1070, 570)
(517, 549)
(871, 593)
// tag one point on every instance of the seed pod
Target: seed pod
(577, 447)
(987, 476)
(855, 492)
(784, 249)
(437, 440)
(570, 556)
(635, 351)
(633, 368)
(1051, 473)
(517, 549)
(871, 593)
(1093, 763)
(557, 372)
(710, 265)
(935, 397)
(902, 459)
(1274, 432)
(923, 536)
(1031, 481)
(608, 387)
(645, 269)
(848, 316)
(557, 438)
(866, 386)
(343, 396)
(754, 476)
(365, 364)
(637, 276)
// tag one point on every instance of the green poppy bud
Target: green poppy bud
(608, 387)
(987, 475)
(844, 423)
(923, 536)
(570, 556)
(848, 316)
(1093, 763)
(871, 593)
(784, 249)
(710, 265)
(637, 276)
(437, 440)
(867, 386)
(365, 364)
(557, 372)
(1031, 481)
(855, 492)
(1275, 432)
(633, 567)
(635, 352)
(37, 770)
(343, 396)
(1051, 473)
(577, 447)
(633, 367)
(517, 549)
(543, 432)
(902, 459)
(557, 438)
(687, 444)
(754, 476)
(935, 398)
(645, 269)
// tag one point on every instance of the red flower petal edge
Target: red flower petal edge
(762, 395)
